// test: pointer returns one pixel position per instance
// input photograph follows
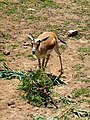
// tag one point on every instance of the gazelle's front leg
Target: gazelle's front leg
(39, 63)
(43, 61)
(47, 59)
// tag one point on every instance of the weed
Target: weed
(81, 91)
(19, 54)
(81, 56)
(36, 84)
(30, 55)
(84, 50)
(84, 100)
(62, 47)
(38, 118)
(22, 1)
(14, 46)
(86, 80)
(11, 10)
(78, 67)
(2, 59)
(49, 3)
(80, 74)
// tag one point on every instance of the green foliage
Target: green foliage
(38, 118)
(78, 67)
(30, 55)
(82, 113)
(36, 84)
(14, 46)
(22, 1)
(2, 59)
(86, 80)
(49, 3)
(63, 47)
(81, 91)
(84, 50)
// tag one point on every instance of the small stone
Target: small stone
(11, 102)
(6, 52)
(12, 106)
(72, 33)
(31, 9)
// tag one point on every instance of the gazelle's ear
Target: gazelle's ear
(44, 39)
(30, 37)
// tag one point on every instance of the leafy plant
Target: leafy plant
(84, 50)
(36, 84)
(38, 118)
(81, 91)
(78, 67)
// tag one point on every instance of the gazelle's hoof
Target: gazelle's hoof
(61, 71)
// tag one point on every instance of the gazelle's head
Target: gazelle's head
(35, 43)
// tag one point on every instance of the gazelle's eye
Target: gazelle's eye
(38, 42)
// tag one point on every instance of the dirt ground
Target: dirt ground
(19, 19)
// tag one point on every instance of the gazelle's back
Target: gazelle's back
(50, 42)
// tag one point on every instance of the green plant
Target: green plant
(22, 1)
(30, 55)
(14, 46)
(36, 84)
(62, 47)
(81, 91)
(78, 67)
(84, 50)
(2, 59)
(38, 118)
(49, 3)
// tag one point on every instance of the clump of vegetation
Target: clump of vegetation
(83, 52)
(37, 85)
(78, 67)
(81, 91)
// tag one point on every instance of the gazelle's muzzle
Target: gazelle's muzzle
(33, 50)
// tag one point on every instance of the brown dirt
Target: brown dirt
(21, 110)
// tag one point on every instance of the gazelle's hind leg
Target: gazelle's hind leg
(59, 54)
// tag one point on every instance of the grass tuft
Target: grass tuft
(81, 91)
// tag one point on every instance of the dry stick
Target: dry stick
(69, 109)
(53, 102)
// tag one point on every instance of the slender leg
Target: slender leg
(61, 65)
(43, 63)
(57, 51)
(39, 63)
(47, 59)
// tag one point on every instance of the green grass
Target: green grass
(82, 91)
(36, 85)
(20, 54)
(30, 55)
(49, 3)
(78, 67)
(84, 50)
(2, 59)
(86, 81)
(63, 47)
(14, 46)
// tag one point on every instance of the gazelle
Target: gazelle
(43, 46)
